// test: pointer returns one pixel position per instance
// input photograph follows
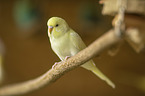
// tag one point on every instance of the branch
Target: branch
(53, 74)
(119, 26)
(133, 6)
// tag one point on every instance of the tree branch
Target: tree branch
(53, 74)
(119, 26)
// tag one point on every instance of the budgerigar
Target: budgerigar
(66, 42)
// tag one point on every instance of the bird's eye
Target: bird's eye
(56, 25)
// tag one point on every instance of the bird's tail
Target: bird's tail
(97, 72)
(91, 66)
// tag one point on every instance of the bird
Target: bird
(65, 42)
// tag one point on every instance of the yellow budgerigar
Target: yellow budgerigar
(66, 43)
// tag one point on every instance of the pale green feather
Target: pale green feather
(77, 41)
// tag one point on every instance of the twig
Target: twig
(119, 27)
(52, 75)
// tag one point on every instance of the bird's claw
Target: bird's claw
(55, 64)
(67, 57)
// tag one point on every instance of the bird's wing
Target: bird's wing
(79, 44)
(76, 40)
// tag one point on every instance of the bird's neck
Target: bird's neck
(60, 34)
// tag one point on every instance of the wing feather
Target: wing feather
(77, 41)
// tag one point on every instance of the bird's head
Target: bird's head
(57, 27)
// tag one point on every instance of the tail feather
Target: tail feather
(97, 72)
(91, 66)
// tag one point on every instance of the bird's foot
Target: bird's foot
(67, 57)
(55, 64)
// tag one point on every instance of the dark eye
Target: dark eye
(56, 25)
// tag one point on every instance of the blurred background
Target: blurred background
(27, 52)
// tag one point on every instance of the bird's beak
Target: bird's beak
(50, 28)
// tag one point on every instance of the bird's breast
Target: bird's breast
(61, 46)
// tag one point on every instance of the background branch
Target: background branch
(119, 18)
(53, 74)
